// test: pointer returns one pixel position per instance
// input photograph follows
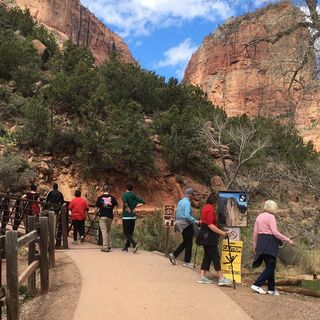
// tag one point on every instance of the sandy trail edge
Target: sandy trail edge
(125, 286)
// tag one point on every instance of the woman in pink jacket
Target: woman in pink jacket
(266, 240)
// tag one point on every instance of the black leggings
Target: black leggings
(78, 226)
(186, 245)
(211, 254)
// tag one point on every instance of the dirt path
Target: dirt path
(123, 286)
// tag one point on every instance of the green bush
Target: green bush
(15, 173)
(36, 124)
(15, 52)
(183, 149)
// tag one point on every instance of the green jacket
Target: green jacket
(132, 200)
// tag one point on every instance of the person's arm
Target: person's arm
(215, 229)
(255, 236)
(187, 213)
(275, 232)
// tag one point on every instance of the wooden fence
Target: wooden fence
(41, 232)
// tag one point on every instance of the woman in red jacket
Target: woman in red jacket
(209, 237)
(78, 207)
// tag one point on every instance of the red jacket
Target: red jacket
(78, 207)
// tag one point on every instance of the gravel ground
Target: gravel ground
(61, 301)
(286, 306)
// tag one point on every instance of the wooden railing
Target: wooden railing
(41, 232)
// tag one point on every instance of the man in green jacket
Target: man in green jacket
(130, 202)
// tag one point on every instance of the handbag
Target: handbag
(206, 236)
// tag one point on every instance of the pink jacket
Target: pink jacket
(266, 224)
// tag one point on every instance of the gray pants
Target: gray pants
(105, 226)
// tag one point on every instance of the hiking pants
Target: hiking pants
(105, 226)
(211, 254)
(267, 274)
(78, 226)
(128, 229)
(186, 245)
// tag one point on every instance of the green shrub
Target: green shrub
(15, 173)
(36, 125)
(183, 149)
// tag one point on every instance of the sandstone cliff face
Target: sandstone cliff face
(69, 19)
(254, 80)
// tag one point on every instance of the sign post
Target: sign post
(168, 222)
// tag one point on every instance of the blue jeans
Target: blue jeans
(268, 273)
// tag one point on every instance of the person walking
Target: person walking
(31, 207)
(266, 241)
(105, 205)
(79, 209)
(184, 224)
(208, 237)
(55, 200)
(130, 202)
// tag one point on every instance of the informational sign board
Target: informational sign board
(169, 215)
(233, 208)
(234, 255)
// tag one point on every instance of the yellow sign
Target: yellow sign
(232, 254)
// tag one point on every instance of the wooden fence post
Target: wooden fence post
(31, 255)
(44, 262)
(12, 295)
(64, 221)
(52, 238)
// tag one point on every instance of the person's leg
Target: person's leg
(131, 231)
(103, 227)
(268, 272)
(108, 235)
(271, 266)
(75, 230)
(188, 240)
(182, 245)
(126, 228)
(206, 261)
(82, 229)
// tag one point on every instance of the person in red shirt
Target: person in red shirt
(209, 238)
(79, 208)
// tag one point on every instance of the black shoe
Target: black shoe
(124, 249)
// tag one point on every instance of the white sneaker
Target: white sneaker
(188, 265)
(273, 292)
(225, 282)
(258, 289)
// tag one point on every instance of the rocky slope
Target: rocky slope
(69, 19)
(255, 79)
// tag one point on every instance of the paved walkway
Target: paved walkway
(127, 286)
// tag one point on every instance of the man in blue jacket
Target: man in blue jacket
(184, 222)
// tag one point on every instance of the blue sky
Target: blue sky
(163, 34)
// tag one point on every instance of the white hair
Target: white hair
(270, 206)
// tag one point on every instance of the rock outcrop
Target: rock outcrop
(68, 19)
(255, 79)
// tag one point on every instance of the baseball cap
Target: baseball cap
(189, 191)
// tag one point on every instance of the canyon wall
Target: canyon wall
(245, 69)
(68, 19)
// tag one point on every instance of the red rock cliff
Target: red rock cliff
(69, 19)
(255, 79)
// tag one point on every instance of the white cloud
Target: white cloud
(178, 56)
(140, 17)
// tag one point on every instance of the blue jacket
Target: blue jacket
(184, 210)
